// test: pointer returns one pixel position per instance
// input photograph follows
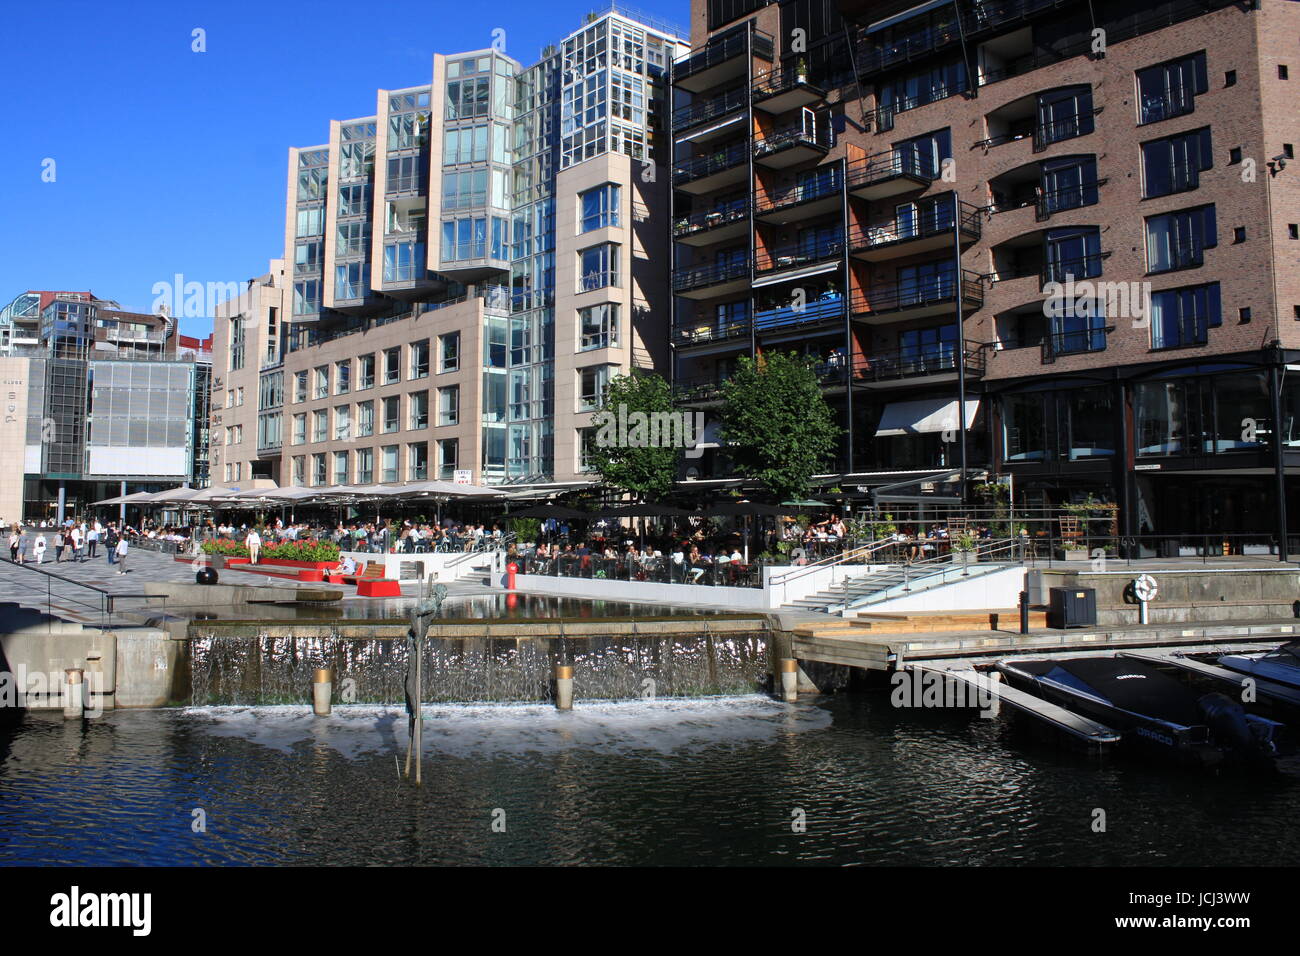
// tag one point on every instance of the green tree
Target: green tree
(777, 426)
(627, 452)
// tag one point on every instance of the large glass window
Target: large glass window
(448, 458)
(343, 423)
(403, 261)
(351, 280)
(1063, 114)
(420, 359)
(928, 349)
(365, 466)
(419, 408)
(449, 352)
(318, 469)
(320, 424)
(598, 267)
(1177, 240)
(388, 463)
(392, 365)
(599, 207)
(366, 371)
(1068, 183)
(340, 468)
(392, 414)
(449, 405)
(417, 458)
(1087, 426)
(598, 326)
(1072, 254)
(1184, 316)
(1170, 89)
(365, 419)
(1174, 164)
(1024, 427)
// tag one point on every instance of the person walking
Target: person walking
(254, 543)
(92, 539)
(121, 550)
(58, 546)
(22, 546)
(110, 543)
(38, 549)
(77, 542)
(13, 544)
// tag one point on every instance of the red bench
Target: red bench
(370, 581)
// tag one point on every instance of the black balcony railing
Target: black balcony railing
(711, 163)
(1173, 103)
(1046, 204)
(868, 170)
(873, 56)
(697, 389)
(710, 108)
(783, 80)
(795, 136)
(802, 253)
(1056, 344)
(1077, 268)
(1080, 124)
(938, 290)
(708, 219)
(703, 333)
(818, 187)
(881, 118)
(731, 44)
(905, 363)
(931, 219)
(699, 277)
(1183, 255)
(1035, 60)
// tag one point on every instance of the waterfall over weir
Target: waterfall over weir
(690, 659)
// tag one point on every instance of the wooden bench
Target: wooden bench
(370, 581)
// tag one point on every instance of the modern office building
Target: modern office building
(463, 270)
(96, 400)
(900, 192)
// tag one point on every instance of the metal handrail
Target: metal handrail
(107, 596)
(842, 558)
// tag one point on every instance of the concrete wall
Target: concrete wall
(36, 648)
(647, 591)
(997, 589)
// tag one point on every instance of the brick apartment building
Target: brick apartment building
(895, 189)
(463, 271)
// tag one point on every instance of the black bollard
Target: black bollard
(1024, 612)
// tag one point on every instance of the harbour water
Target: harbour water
(723, 780)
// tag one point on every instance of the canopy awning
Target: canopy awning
(139, 497)
(924, 417)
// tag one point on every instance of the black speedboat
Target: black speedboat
(1280, 665)
(1151, 710)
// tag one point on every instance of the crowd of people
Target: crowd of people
(73, 541)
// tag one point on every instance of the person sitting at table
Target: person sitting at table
(696, 562)
(913, 546)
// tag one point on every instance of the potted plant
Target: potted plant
(963, 545)
(801, 71)
(1072, 550)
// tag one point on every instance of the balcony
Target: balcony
(930, 365)
(890, 302)
(705, 282)
(698, 391)
(874, 57)
(1175, 102)
(713, 170)
(929, 227)
(796, 255)
(711, 118)
(1076, 269)
(713, 225)
(725, 57)
(1071, 127)
(788, 318)
(1049, 203)
(881, 119)
(816, 196)
(785, 89)
(687, 335)
(890, 173)
(791, 147)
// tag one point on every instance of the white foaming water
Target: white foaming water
(660, 727)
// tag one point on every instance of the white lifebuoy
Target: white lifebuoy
(1145, 587)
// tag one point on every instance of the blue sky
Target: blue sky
(170, 161)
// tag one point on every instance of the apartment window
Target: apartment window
(351, 279)
(924, 155)
(466, 144)
(354, 200)
(392, 414)
(1177, 240)
(1293, 230)
(365, 466)
(468, 98)
(353, 239)
(299, 387)
(587, 448)
(448, 458)
(599, 207)
(418, 403)
(920, 88)
(449, 405)
(239, 396)
(388, 463)
(340, 468)
(308, 257)
(591, 386)
(322, 381)
(417, 459)
(420, 359)
(311, 222)
(405, 175)
(1243, 315)
(1068, 183)
(320, 427)
(343, 423)
(403, 261)
(365, 419)
(366, 372)
(392, 365)
(300, 428)
(598, 267)
(464, 190)
(1063, 114)
(1182, 317)
(1230, 78)
(1238, 235)
(449, 352)
(1174, 164)
(236, 344)
(306, 297)
(1170, 89)
(1072, 254)
(1076, 325)
(299, 471)
(342, 377)
(1234, 156)
(239, 470)
(318, 469)
(1282, 72)
(598, 326)
(1288, 150)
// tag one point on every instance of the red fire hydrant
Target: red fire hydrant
(511, 570)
